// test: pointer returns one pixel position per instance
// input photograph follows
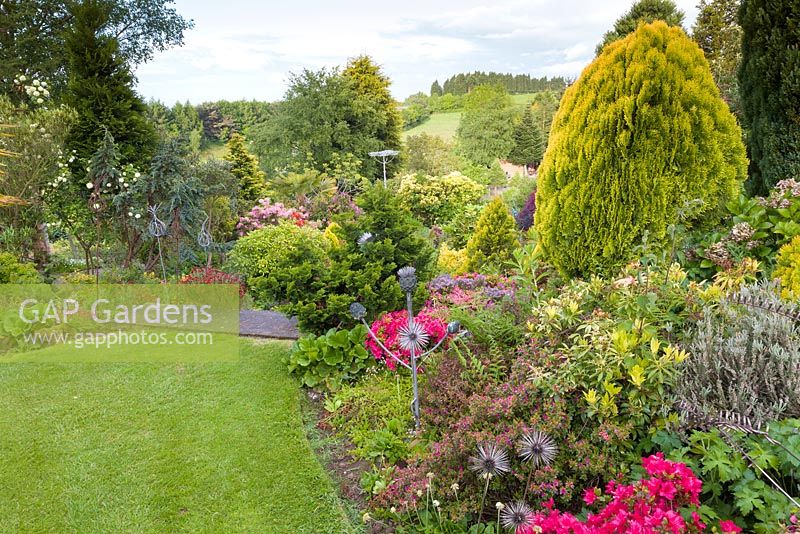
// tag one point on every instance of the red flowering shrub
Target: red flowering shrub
(389, 327)
(653, 504)
(209, 275)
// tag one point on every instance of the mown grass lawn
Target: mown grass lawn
(216, 447)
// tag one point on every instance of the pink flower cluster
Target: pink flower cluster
(265, 213)
(387, 328)
(651, 505)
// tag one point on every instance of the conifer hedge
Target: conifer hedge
(641, 132)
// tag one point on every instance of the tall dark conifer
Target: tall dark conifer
(769, 82)
(528, 141)
(100, 89)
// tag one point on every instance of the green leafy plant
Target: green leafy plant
(268, 259)
(374, 245)
(738, 470)
(437, 199)
(12, 271)
(331, 359)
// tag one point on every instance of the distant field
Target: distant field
(521, 100)
(445, 124)
(442, 124)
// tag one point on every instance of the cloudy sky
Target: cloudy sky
(246, 48)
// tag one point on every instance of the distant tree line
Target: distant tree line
(461, 84)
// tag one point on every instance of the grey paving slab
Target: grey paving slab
(267, 324)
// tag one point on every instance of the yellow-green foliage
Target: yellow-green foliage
(437, 199)
(788, 269)
(452, 261)
(332, 234)
(13, 271)
(495, 237)
(641, 132)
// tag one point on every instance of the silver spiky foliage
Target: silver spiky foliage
(407, 276)
(516, 515)
(538, 448)
(490, 460)
(753, 369)
(412, 337)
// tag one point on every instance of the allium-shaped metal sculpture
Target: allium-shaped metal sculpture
(490, 460)
(407, 277)
(537, 448)
(365, 238)
(413, 337)
(516, 515)
(358, 311)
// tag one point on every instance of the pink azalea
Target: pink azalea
(388, 327)
(729, 526)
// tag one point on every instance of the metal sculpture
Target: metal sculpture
(158, 229)
(412, 337)
(205, 240)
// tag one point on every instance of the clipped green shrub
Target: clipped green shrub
(641, 132)
(438, 199)
(329, 360)
(787, 269)
(12, 271)
(495, 237)
(265, 257)
(374, 245)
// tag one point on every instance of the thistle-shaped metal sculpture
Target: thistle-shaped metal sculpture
(205, 240)
(412, 336)
(158, 229)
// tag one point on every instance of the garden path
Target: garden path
(267, 324)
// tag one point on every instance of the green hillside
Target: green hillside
(441, 124)
(445, 124)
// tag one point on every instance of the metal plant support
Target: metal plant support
(205, 240)
(412, 336)
(158, 229)
(384, 156)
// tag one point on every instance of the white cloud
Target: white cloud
(248, 48)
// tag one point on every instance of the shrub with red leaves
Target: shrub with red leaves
(209, 275)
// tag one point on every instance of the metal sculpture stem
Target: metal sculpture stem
(414, 367)
(161, 259)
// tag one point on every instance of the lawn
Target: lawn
(442, 124)
(160, 448)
